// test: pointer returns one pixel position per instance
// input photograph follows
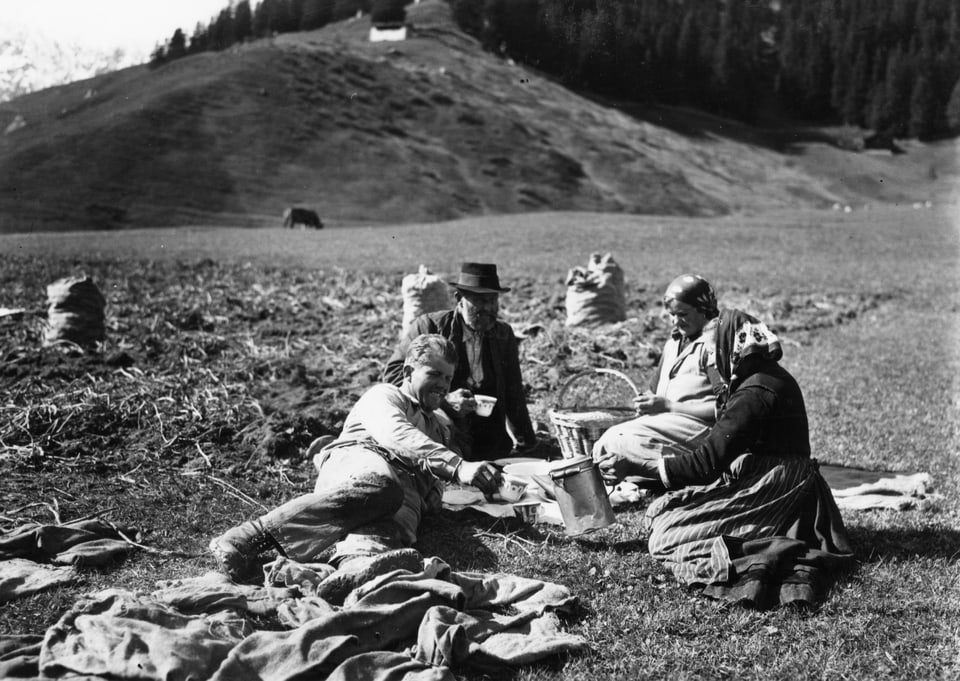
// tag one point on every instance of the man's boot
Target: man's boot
(239, 550)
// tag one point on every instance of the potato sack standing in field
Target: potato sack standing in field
(747, 517)
(374, 482)
(681, 405)
(489, 365)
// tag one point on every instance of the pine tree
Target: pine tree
(876, 89)
(596, 53)
(388, 12)
(923, 110)
(199, 40)
(345, 9)
(221, 31)
(816, 79)
(953, 109)
(842, 77)
(177, 47)
(242, 21)
(688, 43)
(280, 21)
(874, 106)
(316, 13)
(295, 15)
(953, 27)
(468, 15)
(855, 97)
(263, 18)
(791, 53)
(724, 60)
(895, 110)
(158, 57)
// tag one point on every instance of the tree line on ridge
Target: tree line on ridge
(891, 66)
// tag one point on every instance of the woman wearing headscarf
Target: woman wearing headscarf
(749, 517)
(680, 407)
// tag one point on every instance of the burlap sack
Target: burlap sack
(423, 292)
(595, 293)
(75, 312)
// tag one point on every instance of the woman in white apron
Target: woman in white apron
(682, 406)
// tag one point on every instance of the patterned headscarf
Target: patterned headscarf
(740, 334)
(695, 291)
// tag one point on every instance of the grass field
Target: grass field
(238, 336)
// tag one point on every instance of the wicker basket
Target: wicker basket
(577, 431)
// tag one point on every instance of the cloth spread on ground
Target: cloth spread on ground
(27, 552)
(397, 625)
(853, 489)
(548, 510)
(857, 489)
(21, 577)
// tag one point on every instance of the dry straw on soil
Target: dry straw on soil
(211, 363)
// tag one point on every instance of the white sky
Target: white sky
(133, 24)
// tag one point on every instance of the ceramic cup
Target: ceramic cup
(484, 404)
(527, 511)
(512, 488)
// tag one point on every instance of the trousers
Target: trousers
(653, 434)
(362, 504)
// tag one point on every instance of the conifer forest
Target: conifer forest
(891, 66)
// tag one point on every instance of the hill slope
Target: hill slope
(431, 128)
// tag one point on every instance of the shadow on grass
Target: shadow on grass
(697, 124)
(455, 537)
(621, 548)
(871, 544)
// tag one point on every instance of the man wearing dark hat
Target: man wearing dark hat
(489, 364)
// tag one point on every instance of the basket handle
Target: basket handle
(592, 372)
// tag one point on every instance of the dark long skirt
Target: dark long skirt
(767, 533)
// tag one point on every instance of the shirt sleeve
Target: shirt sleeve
(383, 412)
(738, 427)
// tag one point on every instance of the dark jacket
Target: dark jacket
(502, 379)
(765, 415)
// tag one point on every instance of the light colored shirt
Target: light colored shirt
(473, 342)
(392, 417)
(683, 375)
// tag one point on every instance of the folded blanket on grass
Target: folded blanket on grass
(20, 656)
(21, 577)
(397, 625)
(27, 552)
(858, 489)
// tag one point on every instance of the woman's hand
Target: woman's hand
(461, 401)
(649, 403)
(614, 467)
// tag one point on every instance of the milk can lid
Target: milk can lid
(577, 464)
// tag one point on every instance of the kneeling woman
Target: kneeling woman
(748, 517)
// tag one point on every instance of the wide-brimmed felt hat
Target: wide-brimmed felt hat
(479, 277)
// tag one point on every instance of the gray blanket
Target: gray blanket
(400, 625)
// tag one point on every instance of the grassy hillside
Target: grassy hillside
(431, 128)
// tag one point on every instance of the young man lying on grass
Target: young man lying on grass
(374, 482)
